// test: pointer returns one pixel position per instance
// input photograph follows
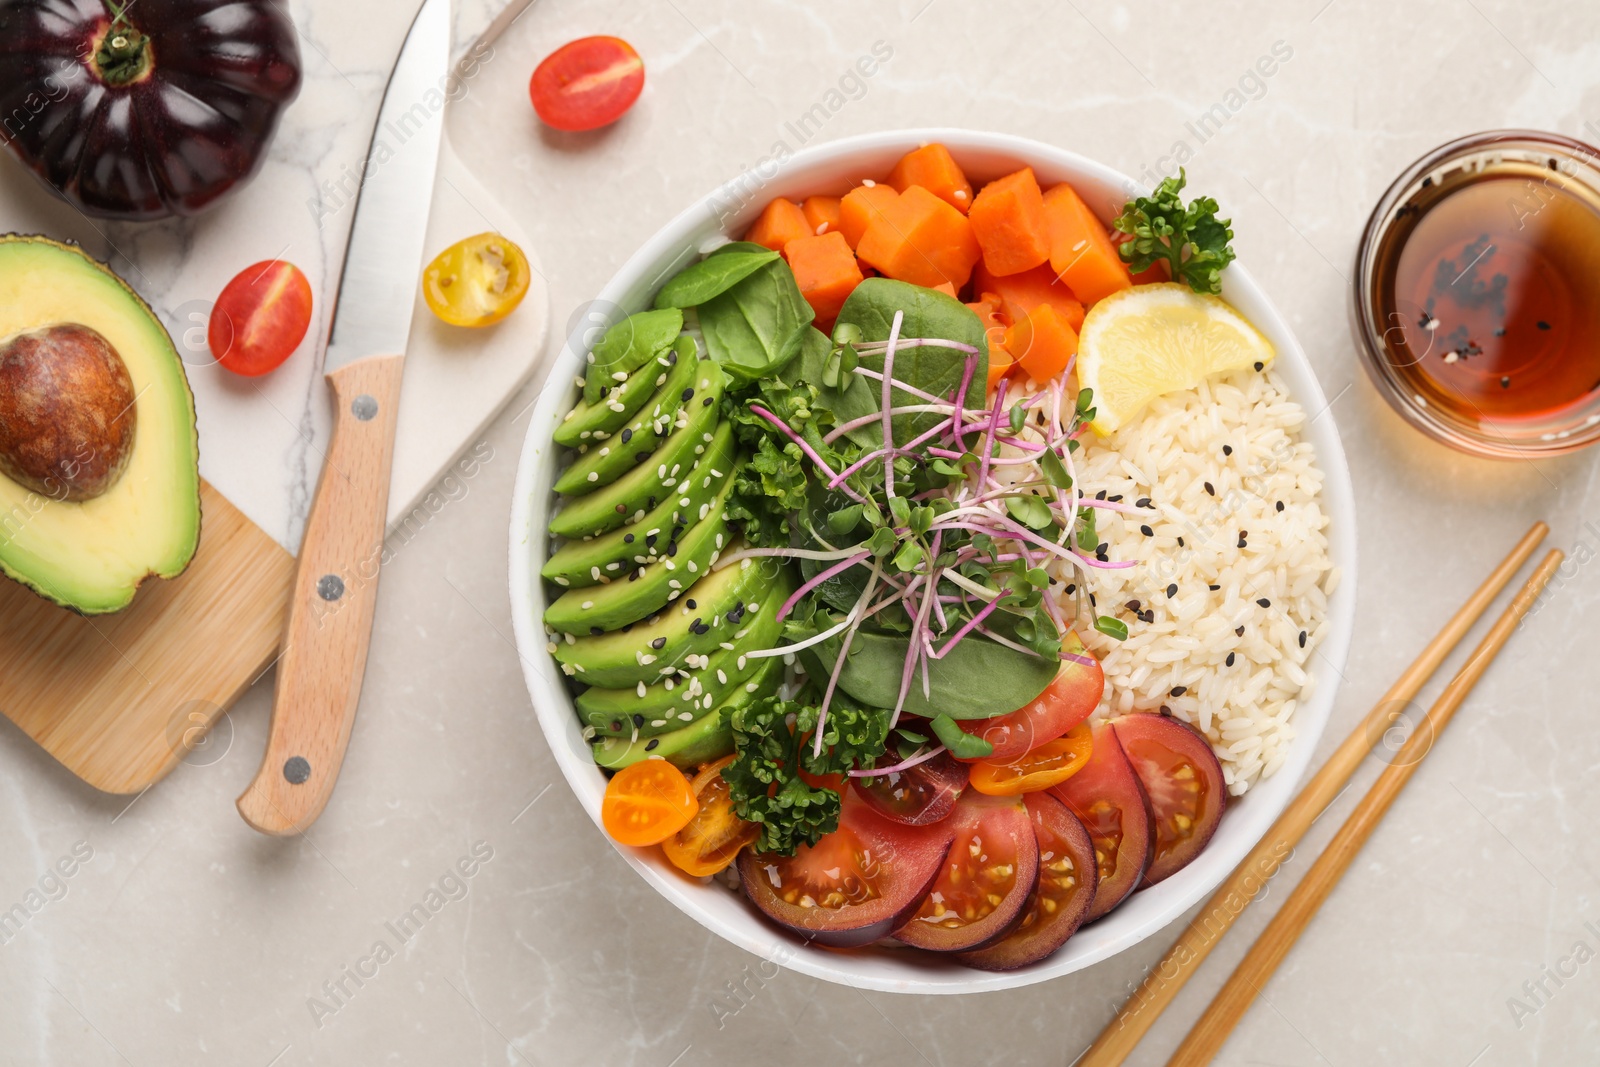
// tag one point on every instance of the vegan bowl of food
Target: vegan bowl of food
(936, 574)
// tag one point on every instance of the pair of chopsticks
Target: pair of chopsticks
(1229, 901)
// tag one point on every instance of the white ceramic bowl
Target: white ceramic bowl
(835, 167)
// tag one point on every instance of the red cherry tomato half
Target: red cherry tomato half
(1068, 701)
(260, 318)
(587, 83)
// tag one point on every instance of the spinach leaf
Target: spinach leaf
(757, 325)
(627, 346)
(714, 275)
(936, 370)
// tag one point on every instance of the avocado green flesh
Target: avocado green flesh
(610, 556)
(627, 499)
(603, 462)
(700, 742)
(648, 589)
(91, 555)
(627, 346)
(687, 693)
(612, 659)
(588, 422)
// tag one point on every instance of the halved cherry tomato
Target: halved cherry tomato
(260, 318)
(1050, 764)
(1069, 700)
(587, 83)
(713, 838)
(918, 795)
(477, 281)
(646, 803)
(985, 881)
(1184, 782)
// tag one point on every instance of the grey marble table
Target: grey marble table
(1465, 933)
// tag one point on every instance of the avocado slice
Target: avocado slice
(600, 559)
(698, 622)
(603, 462)
(627, 346)
(627, 499)
(706, 739)
(595, 422)
(87, 546)
(687, 693)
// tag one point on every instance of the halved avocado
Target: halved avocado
(706, 739)
(603, 462)
(595, 422)
(88, 510)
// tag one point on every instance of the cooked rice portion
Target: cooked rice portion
(1234, 574)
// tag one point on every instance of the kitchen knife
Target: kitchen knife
(336, 579)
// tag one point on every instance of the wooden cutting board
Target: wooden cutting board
(119, 699)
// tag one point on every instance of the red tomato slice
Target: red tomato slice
(917, 795)
(855, 885)
(260, 318)
(1107, 798)
(587, 83)
(1069, 700)
(1183, 780)
(984, 882)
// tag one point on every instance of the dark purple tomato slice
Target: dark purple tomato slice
(919, 795)
(855, 885)
(1107, 798)
(1060, 901)
(1183, 780)
(983, 883)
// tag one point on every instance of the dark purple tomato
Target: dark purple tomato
(983, 883)
(1060, 902)
(852, 887)
(1183, 780)
(1107, 798)
(156, 111)
(919, 795)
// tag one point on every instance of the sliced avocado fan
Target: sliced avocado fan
(602, 462)
(588, 422)
(706, 739)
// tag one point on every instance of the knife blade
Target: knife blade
(329, 627)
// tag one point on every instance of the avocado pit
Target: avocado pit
(67, 415)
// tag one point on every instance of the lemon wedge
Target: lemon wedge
(1151, 340)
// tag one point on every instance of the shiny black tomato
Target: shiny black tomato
(155, 112)
(918, 795)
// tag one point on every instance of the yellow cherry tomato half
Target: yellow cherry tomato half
(713, 838)
(1050, 764)
(477, 281)
(646, 803)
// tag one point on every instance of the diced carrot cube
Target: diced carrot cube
(1042, 343)
(933, 168)
(1021, 293)
(779, 223)
(821, 212)
(1081, 252)
(987, 308)
(860, 206)
(946, 288)
(922, 240)
(1008, 219)
(826, 271)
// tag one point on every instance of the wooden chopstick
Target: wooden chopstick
(1231, 898)
(1253, 972)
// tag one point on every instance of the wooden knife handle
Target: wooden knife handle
(330, 613)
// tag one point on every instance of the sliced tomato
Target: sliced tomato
(1059, 904)
(855, 885)
(1068, 700)
(260, 318)
(1048, 765)
(1107, 798)
(712, 839)
(477, 281)
(985, 881)
(646, 803)
(916, 796)
(587, 83)
(1183, 780)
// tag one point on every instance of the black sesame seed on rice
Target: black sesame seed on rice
(1302, 639)
(1172, 590)
(1227, 450)
(1142, 502)
(1239, 630)
(1213, 588)
(1211, 489)
(1146, 530)
(1260, 365)
(1179, 690)
(1229, 660)
(1279, 505)
(1264, 602)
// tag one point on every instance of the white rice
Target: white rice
(1168, 454)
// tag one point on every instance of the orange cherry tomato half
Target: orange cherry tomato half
(587, 83)
(477, 281)
(1050, 764)
(260, 318)
(648, 802)
(713, 838)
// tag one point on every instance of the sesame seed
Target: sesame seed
(1302, 639)
(1179, 690)
(1259, 365)
(1213, 588)
(1264, 602)
(1227, 450)
(1211, 489)
(587, 604)
(1146, 530)
(1166, 711)
(1279, 505)
(1239, 631)
(627, 539)
(1172, 590)
(689, 604)
(627, 435)
(1142, 502)
(659, 643)
(1229, 660)
(688, 394)
(651, 744)
(1180, 542)
(595, 631)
